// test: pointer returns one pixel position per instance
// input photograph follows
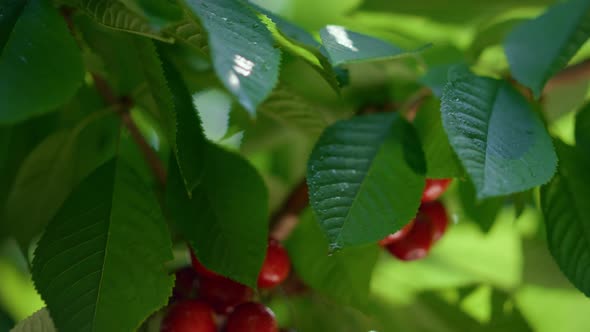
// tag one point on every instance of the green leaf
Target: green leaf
(100, 264)
(226, 221)
(294, 111)
(51, 171)
(564, 202)
(115, 15)
(500, 141)
(9, 14)
(491, 35)
(301, 43)
(40, 58)
(242, 49)
(344, 276)
(40, 321)
(365, 177)
(158, 13)
(189, 141)
(583, 128)
(482, 212)
(190, 33)
(344, 47)
(441, 160)
(539, 48)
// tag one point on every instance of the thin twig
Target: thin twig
(122, 106)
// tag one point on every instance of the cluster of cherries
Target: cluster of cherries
(415, 239)
(204, 301)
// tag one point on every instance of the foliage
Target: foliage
(114, 156)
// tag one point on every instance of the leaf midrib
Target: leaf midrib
(383, 137)
(494, 98)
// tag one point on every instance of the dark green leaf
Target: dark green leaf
(539, 48)
(242, 49)
(502, 144)
(40, 58)
(9, 13)
(365, 178)
(6, 323)
(158, 13)
(482, 212)
(51, 171)
(115, 15)
(226, 221)
(40, 321)
(344, 276)
(440, 59)
(344, 47)
(191, 33)
(100, 264)
(583, 129)
(441, 161)
(189, 142)
(564, 202)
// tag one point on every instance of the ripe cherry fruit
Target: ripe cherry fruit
(200, 268)
(436, 212)
(276, 266)
(223, 294)
(397, 235)
(251, 317)
(416, 243)
(189, 316)
(434, 188)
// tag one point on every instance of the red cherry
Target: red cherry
(437, 214)
(397, 235)
(434, 188)
(189, 316)
(201, 269)
(417, 243)
(251, 317)
(185, 284)
(276, 266)
(224, 294)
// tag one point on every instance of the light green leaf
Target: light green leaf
(242, 49)
(226, 221)
(583, 128)
(500, 141)
(190, 33)
(344, 47)
(292, 110)
(365, 177)
(100, 264)
(441, 160)
(40, 58)
(459, 12)
(51, 171)
(564, 202)
(40, 321)
(344, 276)
(539, 48)
(115, 15)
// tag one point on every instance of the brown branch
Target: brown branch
(122, 106)
(286, 218)
(572, 74)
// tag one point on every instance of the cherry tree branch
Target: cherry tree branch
(122, 105)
